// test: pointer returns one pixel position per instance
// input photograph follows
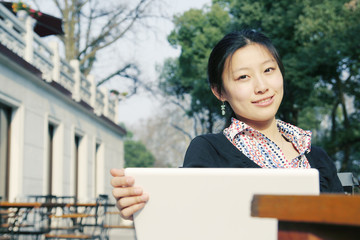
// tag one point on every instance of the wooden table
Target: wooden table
(16, 206)
(14, 214)
(328, 216)
(79, 216)
(19, 204)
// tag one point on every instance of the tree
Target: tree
(136, 154)
(318, 42)
(91, 26)
(167, 135)
(332, 35)
(196, 31)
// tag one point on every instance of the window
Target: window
(96, 168)
(77, 141)
(50, 158)
(5, 118)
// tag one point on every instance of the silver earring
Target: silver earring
(223, 108)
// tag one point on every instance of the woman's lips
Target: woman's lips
(264, 102)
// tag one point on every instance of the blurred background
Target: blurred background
(157, 64)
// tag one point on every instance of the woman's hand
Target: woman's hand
(129, 199)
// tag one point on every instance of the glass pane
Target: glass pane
(4, 150)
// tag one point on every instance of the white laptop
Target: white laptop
(212, 203)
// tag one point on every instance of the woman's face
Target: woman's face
(253, 84)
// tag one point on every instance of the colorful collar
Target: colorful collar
(300, 138)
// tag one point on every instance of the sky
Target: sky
(147, 47)
(150, 51)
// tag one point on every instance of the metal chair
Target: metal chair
(349, 182)
(84, 221)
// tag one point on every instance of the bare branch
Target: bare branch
(195, 126)
(105, 39)
(122, 73)
(81, 5)
(178, 104)
(90, 20)
(91, 26)
(182, 131)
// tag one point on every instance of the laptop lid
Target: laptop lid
(212, 203)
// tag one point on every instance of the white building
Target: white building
(58, 132)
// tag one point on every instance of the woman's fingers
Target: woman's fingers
(122, 181)
(129, 201)
(119, 179)
(115, 172)
(126, 192)
(129, 205)
(127, 213)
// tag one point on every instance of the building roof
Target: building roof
(18, 62)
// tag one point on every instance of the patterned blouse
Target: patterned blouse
(263, 151)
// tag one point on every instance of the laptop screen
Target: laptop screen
(212, 203)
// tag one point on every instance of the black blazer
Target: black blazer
(216, 151)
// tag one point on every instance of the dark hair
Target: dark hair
(226, 48)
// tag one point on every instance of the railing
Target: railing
(18, 36)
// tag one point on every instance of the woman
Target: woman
(244, 71)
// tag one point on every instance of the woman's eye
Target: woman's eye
(270, 69)
(242, 77)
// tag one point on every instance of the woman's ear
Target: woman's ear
(217, 94)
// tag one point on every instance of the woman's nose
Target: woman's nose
(260, 85)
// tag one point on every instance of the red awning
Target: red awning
(45, 24)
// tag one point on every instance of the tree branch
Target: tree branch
(121, 72)
(103, 40)
(181, 130)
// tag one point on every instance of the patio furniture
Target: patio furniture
(328, 216)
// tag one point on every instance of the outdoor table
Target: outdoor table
(53, 219)
(78, 216)
(19, 205)
(20, 212)
(327, 216)
(53, 205)
(81, 210)
(47, 210)
(5, 206)
(78, 211)
(81, 204)
(17, 211)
